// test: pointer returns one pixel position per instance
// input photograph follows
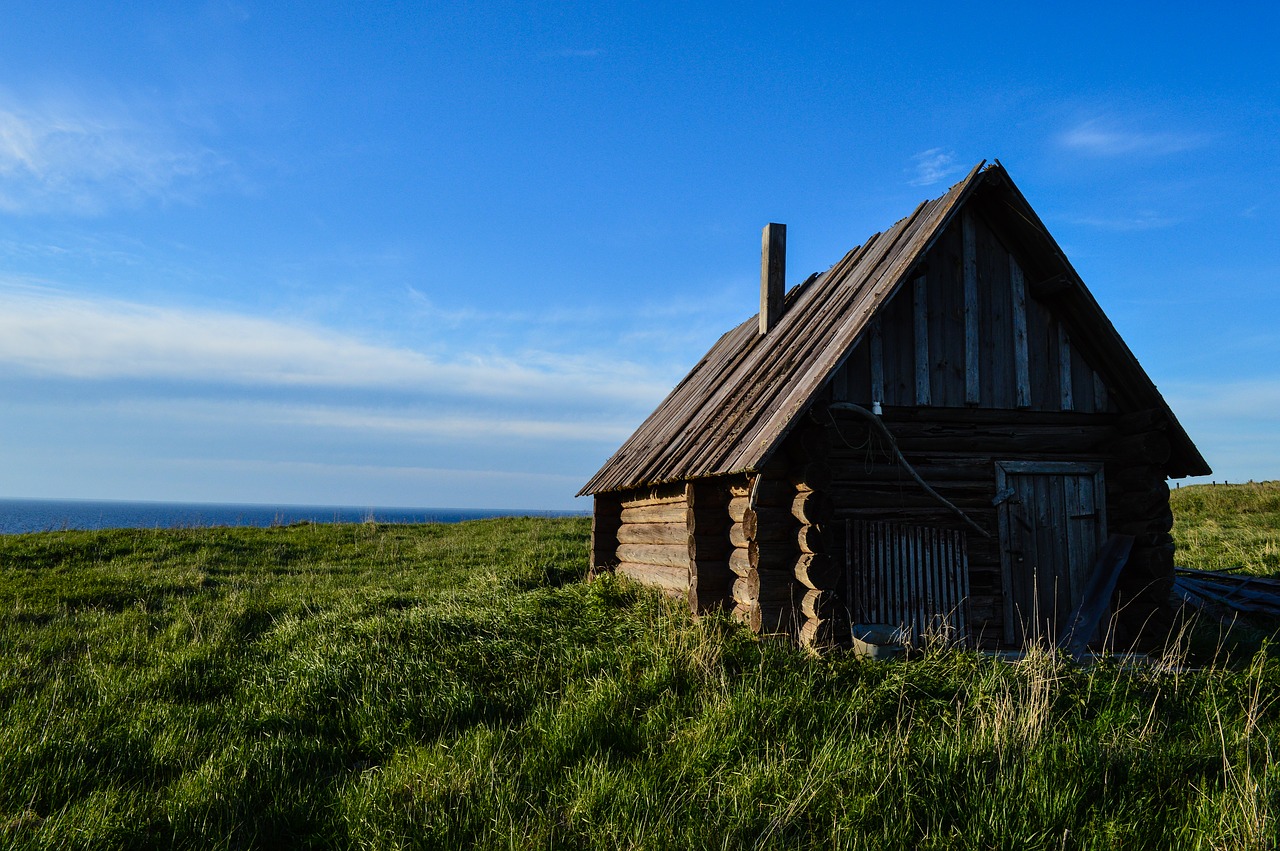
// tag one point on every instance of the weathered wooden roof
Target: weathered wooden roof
(737, 404)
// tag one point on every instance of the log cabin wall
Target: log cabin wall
(1138, 505)
(675, 537)
(766, 595)
(653, 538)
(956, 451)
(970, 369)
(709, 531)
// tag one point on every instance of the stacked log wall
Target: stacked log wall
(674, 537)
(606, 519)
(653, 538)
(820, 616)
(767, 597)
(709, 529)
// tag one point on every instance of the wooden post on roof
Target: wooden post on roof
(773, 274)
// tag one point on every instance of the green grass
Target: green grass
(374, 686)
(1219, 527)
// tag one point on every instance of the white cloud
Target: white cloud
(45, 332)
(933, 165)
(65, 156)
(1100, 139)
(1256, 400)
(462, 427)
(453, 473)
(1138, 222)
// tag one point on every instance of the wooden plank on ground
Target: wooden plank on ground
(1083, 622)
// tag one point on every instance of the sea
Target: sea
(46, 515)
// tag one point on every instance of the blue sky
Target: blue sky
(452, 254)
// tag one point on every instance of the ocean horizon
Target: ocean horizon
(19, 516)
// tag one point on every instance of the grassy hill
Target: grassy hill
(373, 686)
(1226, 526)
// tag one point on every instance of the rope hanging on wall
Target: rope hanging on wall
(884, 432)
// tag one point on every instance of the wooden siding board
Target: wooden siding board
(1044, 385)
(996, 343)
(875, 354)
(1066, 389)
(972, 366)
(1082, 383)
(840, 384)
(947, 296)
(1021, 362)
(920, 332)
(899, 350)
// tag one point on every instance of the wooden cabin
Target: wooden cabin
(941, 435)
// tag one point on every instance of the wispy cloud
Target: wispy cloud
(933, 165)
(417, 422)
(1100, 138)
(1256, 400)
(458, 475)
(1124, 224)
(46, 332)
(62, 155)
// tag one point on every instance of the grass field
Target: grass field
(373, 686)
(1226, 526)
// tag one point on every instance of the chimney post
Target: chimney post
(773, 274)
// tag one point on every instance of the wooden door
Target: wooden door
(1052, 524)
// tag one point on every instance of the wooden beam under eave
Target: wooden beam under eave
(972, 395)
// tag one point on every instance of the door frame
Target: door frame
(1004, 469)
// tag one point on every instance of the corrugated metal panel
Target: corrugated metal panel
(737, 404)
(914, 578)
